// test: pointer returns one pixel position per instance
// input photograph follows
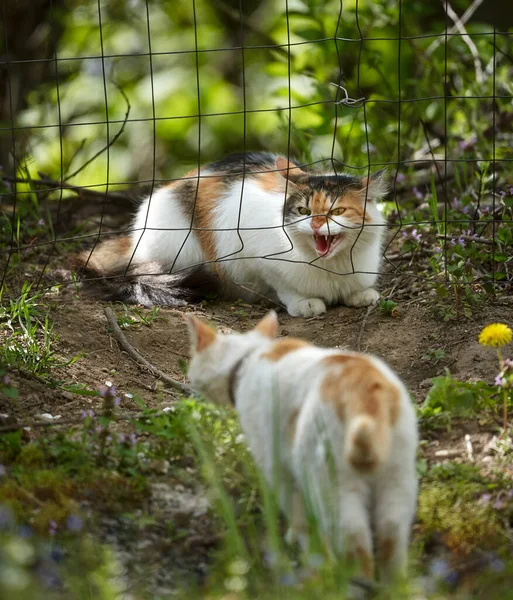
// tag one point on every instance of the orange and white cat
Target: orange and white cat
(338, 427)
(257, 222)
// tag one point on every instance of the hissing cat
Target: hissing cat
(345, 440)
(258, 221)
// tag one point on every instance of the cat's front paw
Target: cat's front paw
(363, 298)
(306, 308)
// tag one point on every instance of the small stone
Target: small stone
(447, 453)
(67, 395)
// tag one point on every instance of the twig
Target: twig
(468, 40)
(466, 238)
(362, 328)
(140, 360)
(465, 17)
(38, 424)
(55, 183)
(110, 142)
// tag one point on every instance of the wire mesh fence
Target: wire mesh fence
(107, 104)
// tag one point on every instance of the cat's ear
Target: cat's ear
(200, 335)
(376, 186)
(288, 170)
(268, 326)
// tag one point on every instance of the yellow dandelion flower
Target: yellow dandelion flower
(495, 335)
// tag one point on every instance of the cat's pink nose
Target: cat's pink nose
(316, 223)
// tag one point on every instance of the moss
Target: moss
(455, 513)
(41, 496)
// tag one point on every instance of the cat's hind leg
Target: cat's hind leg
(394, 516)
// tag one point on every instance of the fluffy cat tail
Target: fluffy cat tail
(367, 442)
(106, 274)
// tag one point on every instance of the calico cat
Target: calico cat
(337, 428)
(256, 222)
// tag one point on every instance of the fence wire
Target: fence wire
(434, 233)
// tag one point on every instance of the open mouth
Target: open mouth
(325, 244)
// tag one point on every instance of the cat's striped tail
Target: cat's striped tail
(106, 274)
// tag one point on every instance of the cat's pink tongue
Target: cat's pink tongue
(322, 243)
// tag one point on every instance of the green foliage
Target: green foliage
(455, 512)
(135, 316)
(26, 335)
(450, 398)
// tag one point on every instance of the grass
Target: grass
(27, 337)
(112, 465)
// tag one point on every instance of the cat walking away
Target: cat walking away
(252, 224)
(337, 426)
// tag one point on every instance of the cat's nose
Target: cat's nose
(316, 223)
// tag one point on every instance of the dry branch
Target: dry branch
(466, 238)
(140, 360)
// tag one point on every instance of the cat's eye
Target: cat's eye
(336, 212)
(302, 210)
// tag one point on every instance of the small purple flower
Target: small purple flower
(404, 234)
(103, 390)
(461, 242)
(98, 429)
(507, 364)
(500, 380)
(466, 209)
(455, 204)
(467, 262)
(485, 499)
(87, 413)
(133, 439)
(469, 143)
(400, 177)
(453, 242)
(416, 236)
(499, 504)
(74, 523)
(121, 438)
(419, 195)
(7, 380)
(41, 222)
(502, 193)
(438, 249)
(52, 528)
(109, 439)
(485, 211)
(439, 568)
(117, 401)
(511, 191)
(289, 579)
(496, 564)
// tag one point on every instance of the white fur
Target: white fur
(344, 500)
(255, 249)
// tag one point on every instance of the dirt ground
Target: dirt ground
(407, 342)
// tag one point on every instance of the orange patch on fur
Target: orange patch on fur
(205, 335)
(209, 192)
(108, 257)
(270, 182)
(386, 548)
(352, 201)
(363, 559)
(357, 385)
(283, 347)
